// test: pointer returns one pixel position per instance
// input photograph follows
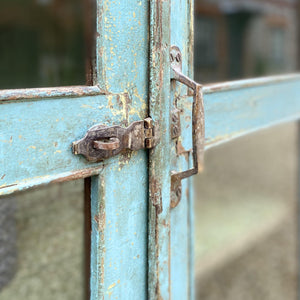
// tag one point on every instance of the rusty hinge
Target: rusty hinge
(102, 142)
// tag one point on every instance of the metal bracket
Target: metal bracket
(198, 126)
(102, 142)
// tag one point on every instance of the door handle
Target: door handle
(198, 126)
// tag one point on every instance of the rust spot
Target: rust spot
(3, 176)
(100, 220)
(119, 102)
(124, 159)
(180, 149)
(155, 195)
(6, 186)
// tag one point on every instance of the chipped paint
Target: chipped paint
(159, 166)
(111, 286)
(47, 179)
(121, 71)
(44, 93)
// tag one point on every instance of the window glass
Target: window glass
(246, 218)
(42, 243)
(42, 43)
(242, 39)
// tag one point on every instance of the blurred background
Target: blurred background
(236, 39)
(42, 43)
(246, 199)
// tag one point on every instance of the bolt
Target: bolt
(178, 192)
(148, 123)
(175, 130)
(171, 57)
(178, 57)
(174, 118)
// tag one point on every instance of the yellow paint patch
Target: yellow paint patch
(87, 106)
(57, 151)
(111, 286)
(109, 294)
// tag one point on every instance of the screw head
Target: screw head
(171, 57)
(178, 57)
(175, 130)
(178, 192)
(174, 118)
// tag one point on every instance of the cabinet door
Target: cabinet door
(231, 109)
(140, 247)
(51, 119)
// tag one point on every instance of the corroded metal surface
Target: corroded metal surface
(198, 125)
(102, 142)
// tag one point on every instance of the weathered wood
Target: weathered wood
(233, 109)
(36, 137)
(44, 93)
(120, 193)
(159, 284)
(182, 277)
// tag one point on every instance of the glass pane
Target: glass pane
(241, 39)
(246, 218)
(42, 243)
(41, 43)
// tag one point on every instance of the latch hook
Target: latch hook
(198, 125)
(102, 142)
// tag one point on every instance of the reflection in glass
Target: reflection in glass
(240, 39)
(42, 243)
(41, 43)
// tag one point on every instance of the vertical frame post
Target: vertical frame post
(159, 282)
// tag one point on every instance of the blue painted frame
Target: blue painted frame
(140, 247)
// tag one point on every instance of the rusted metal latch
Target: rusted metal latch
(102, 142)
(198, 126)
